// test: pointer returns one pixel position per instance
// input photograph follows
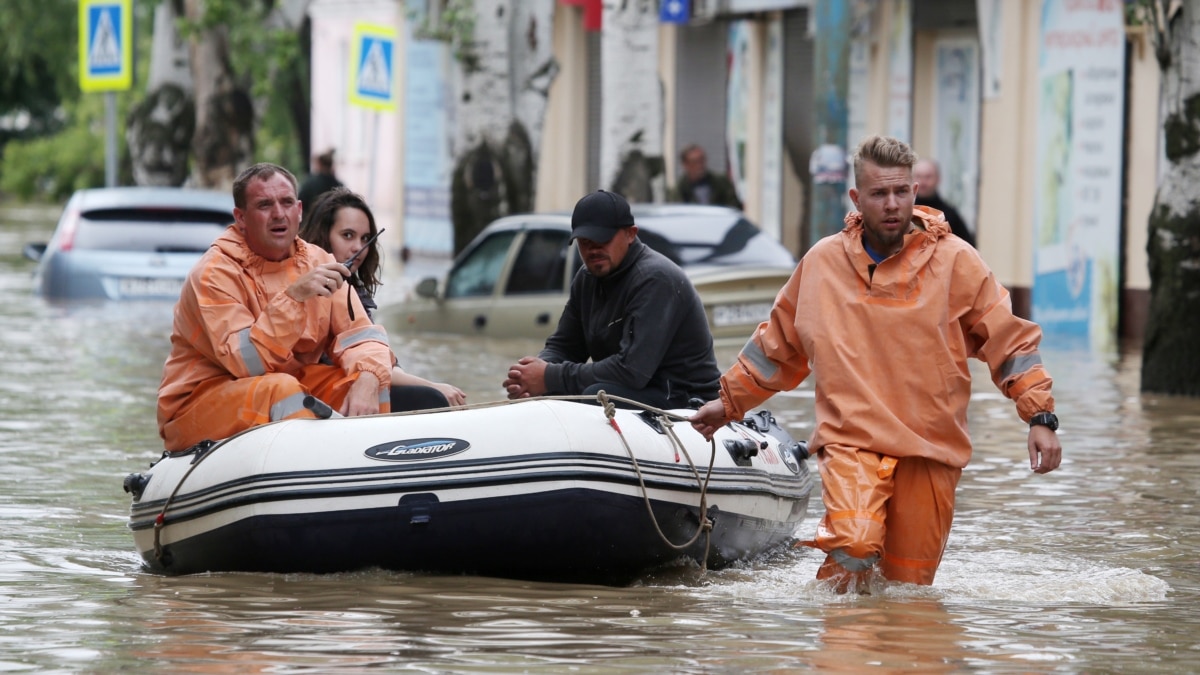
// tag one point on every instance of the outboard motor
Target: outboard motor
(764, 423)
(135, 484)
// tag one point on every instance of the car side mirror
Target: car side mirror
(428, 287)
(34, 251)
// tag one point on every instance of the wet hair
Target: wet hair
(319, 222)
(883, 151)
(260, 171)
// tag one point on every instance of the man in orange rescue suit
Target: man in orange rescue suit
(253, 319)
(885, 314)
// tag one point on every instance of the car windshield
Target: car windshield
(721, 239)
(538, 267)
(150, 230)
(478, 271)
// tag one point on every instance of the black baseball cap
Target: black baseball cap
(599, 215)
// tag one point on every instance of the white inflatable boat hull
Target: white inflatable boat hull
(539, 489)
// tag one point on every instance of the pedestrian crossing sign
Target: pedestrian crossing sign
(373, 67)
(105, 45)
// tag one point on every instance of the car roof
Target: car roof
(652, 215)
(696, 221)
(95, 199)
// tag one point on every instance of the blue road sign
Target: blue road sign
(675, 11)
(105, 45)
(373, 67)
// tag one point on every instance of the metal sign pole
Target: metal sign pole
(110, 139)
(106, 64)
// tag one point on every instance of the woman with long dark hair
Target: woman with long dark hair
(342, 223)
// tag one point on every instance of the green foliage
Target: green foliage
(256, 50)
(39, 63)
(1139, 12)
(275, 138)
(52, 167)
(62, 149)
(39, 58)
(258, 54)
(453, 24)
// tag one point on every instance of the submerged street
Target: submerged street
(1092, 568)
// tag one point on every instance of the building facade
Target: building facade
(1043, 115)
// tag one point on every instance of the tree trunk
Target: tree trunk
(223, 143)
(1170, 360)
(631, 141)
(500, 105)
(159, 130)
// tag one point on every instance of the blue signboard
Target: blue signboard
(675, 11)
(372, 67)
(105, 45)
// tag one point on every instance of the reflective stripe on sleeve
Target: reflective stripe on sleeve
(254, 364)
(369, 334)
(852, 564)
(385, 395)
(1019, 364)
(754, 354)
(288, 406)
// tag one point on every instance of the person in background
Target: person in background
(633, 326)
(928, 176)
(698, 185)
(341, 222)
(255, 317)
(885, 315)
(320, 180)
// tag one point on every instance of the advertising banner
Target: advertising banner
(1077, 195)
(956, 123)
(900, 59)
(428, 162)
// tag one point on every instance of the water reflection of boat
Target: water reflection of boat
(544, 489)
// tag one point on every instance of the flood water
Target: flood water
(1092, 568)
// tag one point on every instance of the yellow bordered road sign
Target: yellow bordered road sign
(105, 45)
(373, 67)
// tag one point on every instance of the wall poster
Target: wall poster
(1077, 194)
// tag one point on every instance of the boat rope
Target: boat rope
(205, 449)
(705, 524)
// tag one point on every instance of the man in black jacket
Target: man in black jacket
(633, 326)
(698, 185)
(927, 176)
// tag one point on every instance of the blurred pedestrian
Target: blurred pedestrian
(341, 222)
(927, 175)
(320, 180)
(884, 315)
(698, 185)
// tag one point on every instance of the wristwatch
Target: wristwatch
(1045, 419)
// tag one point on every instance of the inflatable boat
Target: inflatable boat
(536, 489)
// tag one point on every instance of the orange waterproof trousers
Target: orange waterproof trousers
(896, 511)
(221, 408)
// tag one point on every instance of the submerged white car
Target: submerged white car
(128, 242)
(513, 279)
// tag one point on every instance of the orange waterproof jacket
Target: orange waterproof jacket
(889, 350)
(234, 320)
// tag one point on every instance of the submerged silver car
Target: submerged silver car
(513, 279)
(128, 242)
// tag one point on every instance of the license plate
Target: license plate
(138, 287)
(741, 313)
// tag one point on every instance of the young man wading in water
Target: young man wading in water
(885, 314)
